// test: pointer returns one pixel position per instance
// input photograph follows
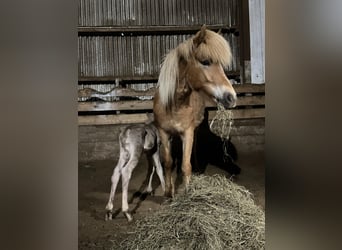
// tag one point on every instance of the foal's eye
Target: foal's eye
(205, 62)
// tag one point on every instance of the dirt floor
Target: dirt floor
(94, 186)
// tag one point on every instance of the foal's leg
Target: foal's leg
(187, 138)
(115, 179)
(154, 160)
(159, 168)
(165, 139)
(126, 174)
(149, 186)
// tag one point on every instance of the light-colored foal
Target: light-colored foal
(134, 140)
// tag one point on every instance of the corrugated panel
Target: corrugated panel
(122, 56)
(157, 12)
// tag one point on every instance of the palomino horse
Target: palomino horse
(190, 72)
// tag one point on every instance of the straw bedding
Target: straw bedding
(214, 213)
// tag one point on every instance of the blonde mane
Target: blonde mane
(214, 47)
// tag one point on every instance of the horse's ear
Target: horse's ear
(200, 36)
(219, 32)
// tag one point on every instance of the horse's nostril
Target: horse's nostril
(230, 98)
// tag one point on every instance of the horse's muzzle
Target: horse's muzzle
(228, 100)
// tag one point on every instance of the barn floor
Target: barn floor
(94, 186)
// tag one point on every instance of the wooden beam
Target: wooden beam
(118, 105)
(249, 88)
(132, 78)
(115, 92)
(112, 119)
(128, 92)
(243, 113)
(115, 78)
(142, 118)
(148, 104)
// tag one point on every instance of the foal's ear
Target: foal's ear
(200, 36)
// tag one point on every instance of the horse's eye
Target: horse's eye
(205, 62)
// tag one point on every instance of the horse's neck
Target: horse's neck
(183, 92)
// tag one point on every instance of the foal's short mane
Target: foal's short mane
(213, 47)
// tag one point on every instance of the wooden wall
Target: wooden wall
(101, 142)
(121, 45)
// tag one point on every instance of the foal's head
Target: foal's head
(200, 60)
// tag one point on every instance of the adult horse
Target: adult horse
(188, 73)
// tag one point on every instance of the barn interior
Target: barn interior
(121, 46)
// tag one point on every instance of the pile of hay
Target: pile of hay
(215, 213)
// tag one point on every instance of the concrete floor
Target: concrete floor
(94, 187)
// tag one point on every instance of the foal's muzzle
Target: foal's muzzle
(228, 100)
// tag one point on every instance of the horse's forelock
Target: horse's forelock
(215, 48)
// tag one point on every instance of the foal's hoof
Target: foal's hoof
(128, 216)
(149, 192)
(109, 215)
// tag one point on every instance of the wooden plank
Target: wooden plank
(118, 105)
(112, 119)
(249, 88)
(148, 104)
(243, 113)
(115, 92)
(127, 92)
(142, 118)
(115, 78)
(243, 101)
(132, 78)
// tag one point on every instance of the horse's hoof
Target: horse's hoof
(168, 194)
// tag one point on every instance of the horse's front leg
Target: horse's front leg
(188, 139)
(165, 140)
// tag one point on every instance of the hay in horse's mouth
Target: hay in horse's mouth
(215, 213)
(222, 122)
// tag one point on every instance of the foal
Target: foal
(134, 140)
